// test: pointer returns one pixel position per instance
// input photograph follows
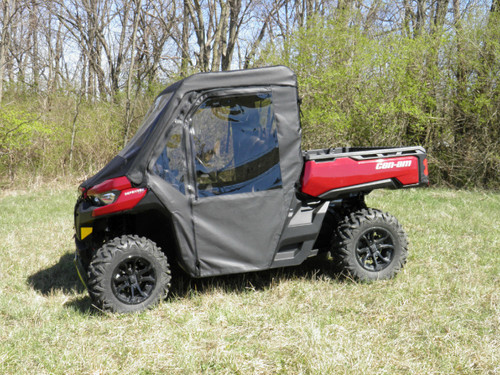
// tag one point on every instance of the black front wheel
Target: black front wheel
(370, 244)
(127, 274)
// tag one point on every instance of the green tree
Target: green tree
(437, 88)
(19, 130)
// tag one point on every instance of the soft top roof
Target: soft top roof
(274, 75)
(131, 162)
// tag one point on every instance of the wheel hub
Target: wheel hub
(375, 249)
(133, 280)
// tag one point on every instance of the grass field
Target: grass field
(441, 315)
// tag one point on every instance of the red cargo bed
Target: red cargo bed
(332, 173)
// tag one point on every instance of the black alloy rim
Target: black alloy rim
(133, 280)
(375, 249)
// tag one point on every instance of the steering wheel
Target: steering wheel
(200, 165)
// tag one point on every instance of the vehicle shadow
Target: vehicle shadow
(59, 277)
(183, 286)
(62, 277)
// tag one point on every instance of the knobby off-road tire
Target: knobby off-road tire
(370, 245)
(127, 274)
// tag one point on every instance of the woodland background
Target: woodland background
(77, 76)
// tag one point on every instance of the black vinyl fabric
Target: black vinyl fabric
(179, 206)
(238, 232)
(221, 151)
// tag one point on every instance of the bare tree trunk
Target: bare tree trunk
(116, 68)
(234, 28)
(408, 18)
(58, 57)
(35, 56)
(73, 128)
(128, 111)
(459, 119)
(51, 55)
(83, 80)
(185, 39)
(460, 72)
(7, 14)
(196, 15)
(220, 35)
(440, 15)
(86, 21)
(420, 18)
(253, 50)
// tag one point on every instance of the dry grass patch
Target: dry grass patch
(440, 315)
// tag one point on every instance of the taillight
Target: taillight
(426, 167)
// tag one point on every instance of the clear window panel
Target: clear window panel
(236, 145)
(171, 164)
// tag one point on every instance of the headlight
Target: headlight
(104, 199)
(108, 198)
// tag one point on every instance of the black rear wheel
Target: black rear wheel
(375, 249)
(129, 273)
(370, 245)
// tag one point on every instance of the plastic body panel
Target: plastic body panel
(331, 173)
(300, 234)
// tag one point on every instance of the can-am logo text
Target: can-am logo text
(391, 164)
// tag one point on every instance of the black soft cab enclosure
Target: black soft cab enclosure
(216, 182)
(222, 162)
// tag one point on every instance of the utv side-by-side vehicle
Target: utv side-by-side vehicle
(215, 180)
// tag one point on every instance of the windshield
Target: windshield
(148, 125)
